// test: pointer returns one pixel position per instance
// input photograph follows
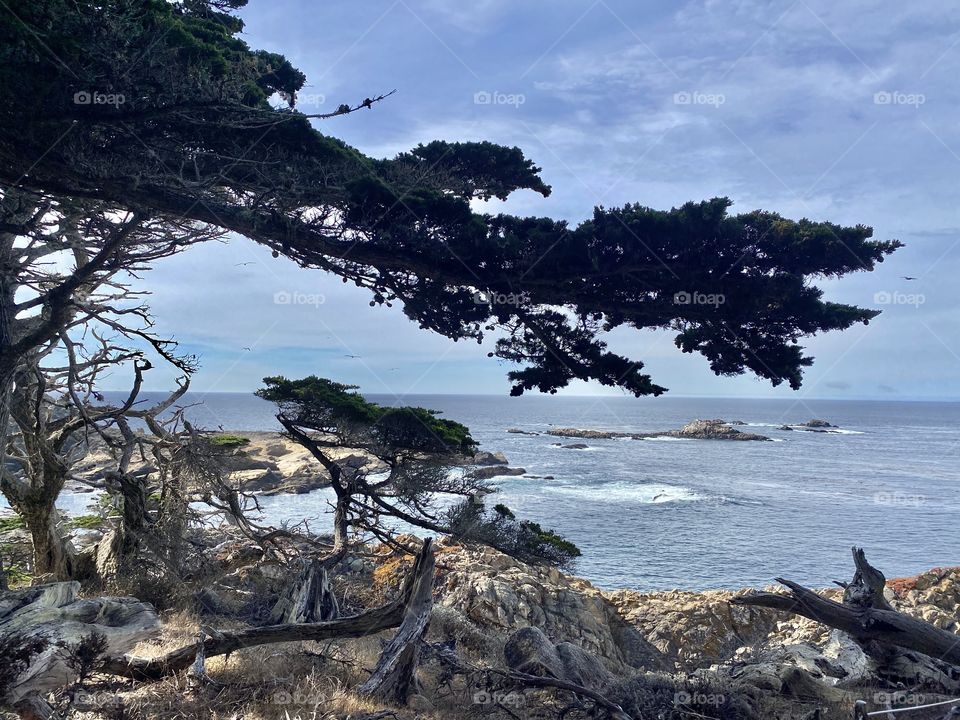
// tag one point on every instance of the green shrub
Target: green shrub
(229, 441)
(86, 522)
(11, 522)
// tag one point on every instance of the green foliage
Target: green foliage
(17, 576)
(17, 651)
(327, 406)
(11, 522)
(200, 98)
(229, 441)
(545, 543)
(87, 522)
(84, 655)
(522, 539)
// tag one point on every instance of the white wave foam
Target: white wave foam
(667, 438)
(652, 493)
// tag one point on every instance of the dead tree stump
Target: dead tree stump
(394, 677)
(308, 599)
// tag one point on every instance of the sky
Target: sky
(844, 112)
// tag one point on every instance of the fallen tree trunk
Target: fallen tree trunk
(373, 621)
(53, 616)
(394, 677)
(871, 621)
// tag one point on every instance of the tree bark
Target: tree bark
(370, 622)
(308, 599)
(394, 677)
(52, 554)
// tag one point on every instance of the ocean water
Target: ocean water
(695, 514)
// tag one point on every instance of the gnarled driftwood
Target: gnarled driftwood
(892, 639)
(370, 622)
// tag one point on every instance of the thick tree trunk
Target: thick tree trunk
(394, 678)
(52, 554)
(892, 639)
(373, 621)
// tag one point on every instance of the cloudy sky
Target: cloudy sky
(812, 108)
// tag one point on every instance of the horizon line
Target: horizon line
(864, 398)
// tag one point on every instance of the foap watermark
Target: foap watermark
(507, 699)
(896, 97)
(898, 498)
(896, 297)
(698, 298)
(497, 298)
(285, 697)
(483, 97)
(311, 99)
(697, 97)
(83, 700)
(698, 698)
(283, 297)
(899, 697)
(94, 97)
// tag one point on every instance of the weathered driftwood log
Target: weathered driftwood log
(308, 599)
(370, 622)
(871, 621)
(394, 677)
(53, 614)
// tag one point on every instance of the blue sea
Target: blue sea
(696, 514)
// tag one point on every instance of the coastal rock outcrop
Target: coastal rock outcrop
(500, 593)
(817, 424)
(694, 430)
(590, 434)
(712, 430)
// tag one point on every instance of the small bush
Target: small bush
(523, 539)
(11, 522)
(85, 522)
(229, 441)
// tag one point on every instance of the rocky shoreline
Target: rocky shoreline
(266, 462)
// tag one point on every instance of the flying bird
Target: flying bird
(246, 348)
(352, 356)
(907, 277)
(244, 263)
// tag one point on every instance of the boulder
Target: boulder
(712, 430)
(531, 652)
(517, 431)
(277, 450)
(256, 480)
(485, 473)
(484, 457)
(817, 424)
(241, 460)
